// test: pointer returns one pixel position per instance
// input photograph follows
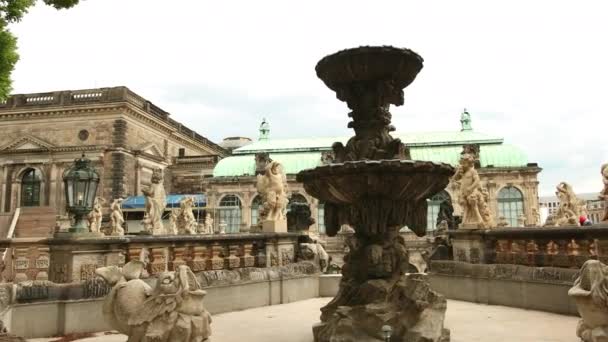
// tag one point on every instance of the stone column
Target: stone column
(246, 212)
(138, 169)
(3, 182)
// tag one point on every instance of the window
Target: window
(510, 204)
(321, 217)
(433, 204)
(255, 210)
(296, 198)
(230, 213)
(30, 188)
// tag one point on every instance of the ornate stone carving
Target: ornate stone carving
(570, 207)
(262, 160)
(502, 222)
(604, 194)
(116, 218)
(208, 225)
(299, 217)
(272, 187)
(217, 260)
(521, 220)
(95, 216)
(473, 150)
(552, 248)
(315, 252)
(155, 205)
(172, 311)
(476, 213)
(590, 293)
(185, 222)
(199, 262)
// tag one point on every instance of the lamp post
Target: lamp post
(80, 182)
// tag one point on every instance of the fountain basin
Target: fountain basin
(374, 195)
(369, 64)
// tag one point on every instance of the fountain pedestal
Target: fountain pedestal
(374, 188)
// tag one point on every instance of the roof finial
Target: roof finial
(465, 121)
(264, 130)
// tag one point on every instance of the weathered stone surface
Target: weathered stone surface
(590, 292)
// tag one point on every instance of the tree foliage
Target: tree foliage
(12, 11)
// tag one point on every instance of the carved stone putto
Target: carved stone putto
(590, 293)
(272, 187)
(116, 218)
(604, 194)
(471, 196)
(155, 205)
(171, 311)
(570, 207)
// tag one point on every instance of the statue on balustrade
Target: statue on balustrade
(521, 220)
(171, 311)
(207, 227)
(272, 187)
(471, 197)
(117, 220)
(172, 229)
(604, 194)
(156, 200)
(315, 252)
(186, 222)
(95, 216)
(502, 222)
(590, 293)
(570, 207)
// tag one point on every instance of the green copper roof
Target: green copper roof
(304, 153)
(411, 139)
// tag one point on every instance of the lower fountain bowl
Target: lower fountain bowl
(350, 182)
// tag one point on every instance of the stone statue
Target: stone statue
(95, 216)
(521, 220)
(272, 187)
(155, 205)
(172, 311)
(502, 222)
(570, 207)
(316, 252)
(173, 222)
(116, 218)
(535, 216)
(186, 222)
(590, 293)
(550, 221)
(471, 197)
(222, 226)
(208, 225)
(604, 194)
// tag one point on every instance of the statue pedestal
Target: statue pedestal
(274, 226)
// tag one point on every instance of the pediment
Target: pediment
(150, 148)
(28, 143)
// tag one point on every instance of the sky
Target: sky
(533, 72)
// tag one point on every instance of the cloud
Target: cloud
(532, 72)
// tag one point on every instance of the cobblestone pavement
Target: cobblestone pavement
(468, 322)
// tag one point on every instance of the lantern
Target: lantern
(80, 182)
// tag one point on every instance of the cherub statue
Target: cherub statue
(604, 193)
(116, 218)
(570, 207)
(155, 204)
(172, 311)
(272, 186)
(470, 196)
(173, 222)
(186, 223)
(590, 293)
(208, 226)
(95, 215)
(175, 311)
(502, 222)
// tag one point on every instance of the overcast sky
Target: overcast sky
(534, 72)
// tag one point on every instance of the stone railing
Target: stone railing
(567, 247)
(102, 95)
(75, 260)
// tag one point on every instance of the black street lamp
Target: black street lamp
(80, 182)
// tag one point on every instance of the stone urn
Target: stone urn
(373, 187)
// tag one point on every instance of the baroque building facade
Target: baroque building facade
(510, 179)
(124, 135)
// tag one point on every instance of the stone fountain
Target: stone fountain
(373, 186)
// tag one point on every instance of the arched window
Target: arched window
(433, 208)
(255, 210)
(296, 198)
(321, 217)
(230, 213)
(30, 188)
(510, 204)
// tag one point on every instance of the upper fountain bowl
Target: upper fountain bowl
(369, 63)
